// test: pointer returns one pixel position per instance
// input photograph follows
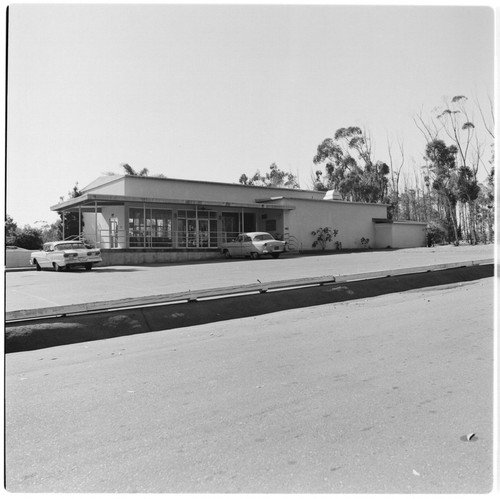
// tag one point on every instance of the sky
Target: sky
(208, 92)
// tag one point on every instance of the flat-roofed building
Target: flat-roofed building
(135, 219)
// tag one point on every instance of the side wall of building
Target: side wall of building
(384, 235)
(408, 235)
(352, 220)
(107, 234)
(205, 191)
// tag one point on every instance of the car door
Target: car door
(235, 246)
(246, 245)
(43, 256)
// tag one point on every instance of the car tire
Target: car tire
(227, 254)
(88, 266)
(254, 256)
(275, 255)
(58, 268)
(38, 268)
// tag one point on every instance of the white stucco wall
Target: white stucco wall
(383, 236)
(352, 220)
(205, 191)
(408, 235)
(103, 233)
(400, 235)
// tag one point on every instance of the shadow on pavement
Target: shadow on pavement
(22, 336)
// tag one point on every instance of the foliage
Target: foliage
(130, 171)
(10, 230)
(444, 177)
(29, 238)
(324, 235)
(73, 223)
(274, 178)
(349, 167)
(436, 233)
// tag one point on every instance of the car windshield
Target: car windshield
(263, 237)
(69, 246)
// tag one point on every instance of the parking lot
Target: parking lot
(31, 290)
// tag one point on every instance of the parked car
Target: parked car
(62, 255)
(253, 245)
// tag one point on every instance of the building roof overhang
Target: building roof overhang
(88, 201)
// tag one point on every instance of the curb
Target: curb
(49, 332)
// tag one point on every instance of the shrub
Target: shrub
(324, 235)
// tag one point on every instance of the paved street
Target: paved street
(372, 395)
(31, 290)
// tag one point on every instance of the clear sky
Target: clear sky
(208, 92)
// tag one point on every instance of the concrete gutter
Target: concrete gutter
(68, 325)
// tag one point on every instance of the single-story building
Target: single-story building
(136, 219)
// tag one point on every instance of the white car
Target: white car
(253, 245)
(62, 255)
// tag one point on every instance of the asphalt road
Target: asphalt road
(31, 290)
(372, 395)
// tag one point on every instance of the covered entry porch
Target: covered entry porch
(123, 223)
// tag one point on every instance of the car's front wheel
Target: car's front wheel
(254, 256)
(275, 255)
(38, 268)
(58, 268)
(226, 253)
(88, 266)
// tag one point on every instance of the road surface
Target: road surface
(373, 395)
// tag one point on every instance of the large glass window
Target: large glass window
(197, 229)
(231, 226)
(150, 228)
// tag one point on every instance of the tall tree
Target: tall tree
(349, 167)
(444, 177)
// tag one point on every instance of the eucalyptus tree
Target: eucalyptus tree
(273, 178)
(443, 173)
(349, 167)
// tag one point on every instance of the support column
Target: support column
(96, 231)
(79, 222)
(145, 225)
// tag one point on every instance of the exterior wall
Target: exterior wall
(17, 257)
(352, 220)
(408, 235)
(383, 235)
(141, 257)
(104, 238)
(400, 235)
(113, 185)
(151, 187)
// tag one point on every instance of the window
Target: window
(154, 231)
(197, 229)
(264, 237)
(270, 225)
